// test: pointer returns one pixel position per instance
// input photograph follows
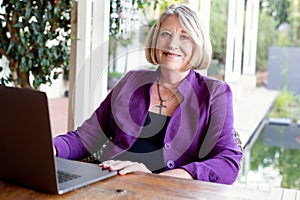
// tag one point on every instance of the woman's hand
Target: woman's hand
(124, 167)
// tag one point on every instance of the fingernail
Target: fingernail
(122, 172)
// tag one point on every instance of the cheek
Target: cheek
(160, 47)
(191, 52)
(160, 44)
(189, 49)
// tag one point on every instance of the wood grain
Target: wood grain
(152, 186)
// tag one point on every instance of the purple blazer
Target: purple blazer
(199, 137)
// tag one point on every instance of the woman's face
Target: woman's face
(174, 45)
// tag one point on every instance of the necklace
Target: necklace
(162, 101)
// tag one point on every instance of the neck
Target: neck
(171, 79)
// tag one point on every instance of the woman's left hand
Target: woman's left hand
(124, 167)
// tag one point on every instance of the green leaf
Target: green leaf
(29, 63)
(54, 53)
(11, 45)
(41, 52)
(34, 28)
(28, 10)
(55, 75)
(18, 25)
(23, 40)
(21, 50)
(49, 7)
(56, 11)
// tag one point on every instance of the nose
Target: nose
(174, 42)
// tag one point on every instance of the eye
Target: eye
(165, 34)
(184, 37)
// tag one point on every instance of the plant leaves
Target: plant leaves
(28, 10)
(11, 45)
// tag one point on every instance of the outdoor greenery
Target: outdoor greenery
(276, 8)
(273, 14)
(287, 105)
(218, 29)
(35, 39)
(35, 35)
(285, 160)
(265, 37)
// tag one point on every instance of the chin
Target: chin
(173, 66)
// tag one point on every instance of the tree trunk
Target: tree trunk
(24, 77)
(20, 79)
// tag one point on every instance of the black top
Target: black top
(148, 148)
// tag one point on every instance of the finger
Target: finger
(135, 167)
(118, 165)
(115, 164)
(107, 164)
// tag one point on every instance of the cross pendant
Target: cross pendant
(161, 106)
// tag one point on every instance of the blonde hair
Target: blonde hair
(190, 21)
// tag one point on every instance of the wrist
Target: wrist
(179, 173)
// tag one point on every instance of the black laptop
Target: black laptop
(26, 151)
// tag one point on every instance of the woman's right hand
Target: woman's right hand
(124, 167)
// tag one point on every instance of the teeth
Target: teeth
(172, 55)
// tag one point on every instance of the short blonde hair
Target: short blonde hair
(190, 21)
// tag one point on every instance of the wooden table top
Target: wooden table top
(152, 186)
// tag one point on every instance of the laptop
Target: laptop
(26, 152)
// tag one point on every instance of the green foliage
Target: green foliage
(287, 105)
(276, 8)
(265, 37)
(218, 29)
(115, 74)
(272, 14)
(35, 39)
(294, 19)
(285, 161)
(281, 106)
(287, 11)
(283, 39)
(163, 4)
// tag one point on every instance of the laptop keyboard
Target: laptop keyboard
(66, 176)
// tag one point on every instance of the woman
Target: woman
(172, 121)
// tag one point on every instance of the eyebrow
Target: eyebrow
(171, 30)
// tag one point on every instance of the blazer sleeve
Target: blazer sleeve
(93, 133)
(219, 156)
(85, 140)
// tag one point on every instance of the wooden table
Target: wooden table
(152, 186)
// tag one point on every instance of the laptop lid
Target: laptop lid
(26, 145)
(25, 139)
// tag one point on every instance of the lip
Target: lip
(171, 54)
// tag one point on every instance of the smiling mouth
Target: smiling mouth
(171, 55)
